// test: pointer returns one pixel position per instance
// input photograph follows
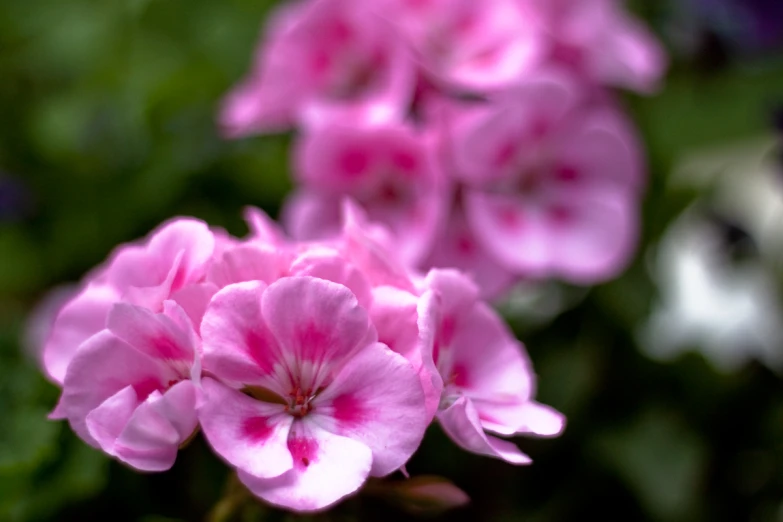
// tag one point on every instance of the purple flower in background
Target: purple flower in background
(15, 198)
(746, 24)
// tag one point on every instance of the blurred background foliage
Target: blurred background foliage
(107, 129)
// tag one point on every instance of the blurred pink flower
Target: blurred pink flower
(389, 170)
(600, 42)
(468, 45)
(318, 60)
(549, 184)
(324, 404)
(488, 381)
(129, 388)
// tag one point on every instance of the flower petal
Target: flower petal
(151, 439)
(376, 399)
(330, 265)
(248, 262)
(407, 324)
(319, 323)
(327, 468)
(249, 434)
(157, 335)
(237, 344)
(106, 422)
(105, 365)
(79, 319)
(461, 423)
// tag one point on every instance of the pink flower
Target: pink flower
(459, 247)
(129, 388)
(599, 41)
(310, 404)
(488, 382)
(170, 264)
(550, 184)
(319, 60)
(466, 44)
(390, 170)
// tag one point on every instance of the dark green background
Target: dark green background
(107, 124)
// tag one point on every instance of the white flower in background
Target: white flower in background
(731, 311)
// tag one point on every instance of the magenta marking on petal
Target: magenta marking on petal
(459, 376)
(260, 351)
(568, 55)
(560, 215)
(446, 333)
(347, 410)
(256, 429)
(509, 218)
(354, 162)
(505, 154)
(567, 174)
(167, 349)
(405, 161)
(144, 388)
(465, 245)
(313, 340)
(304, 451)
(179, 277)
(320, 62)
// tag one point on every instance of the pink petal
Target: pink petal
(319, 322)
(597, 237)
(377, 400)
(248, 262)
(237, 345)
(514, 234)
(370, 248)
(105, 365)
(429, 312)
(263, 228)
(461, 423)
(253, 107)
(194, 300)
(330, 265)
(311, 215)
(106, 422)
(457, 292)
(151, 438)
(78, 320)
(460, 248)
(638, 61)
(500, 371)
(40, 321)
(327, 468)
(188, 240)
(156, 335)
(407, 324)
(602, 148)
(542, 420)
(249, 434)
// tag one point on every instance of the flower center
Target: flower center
(299, 402)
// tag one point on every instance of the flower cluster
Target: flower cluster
(309, 366)
(480, 133)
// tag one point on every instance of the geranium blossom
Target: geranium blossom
(600, 42)
(550, 184)
(309, 365)
(322, 59)
(468, 45)
(488, 382)
(390, 170)
(168, 265)
(325, 404)
(130, 390)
